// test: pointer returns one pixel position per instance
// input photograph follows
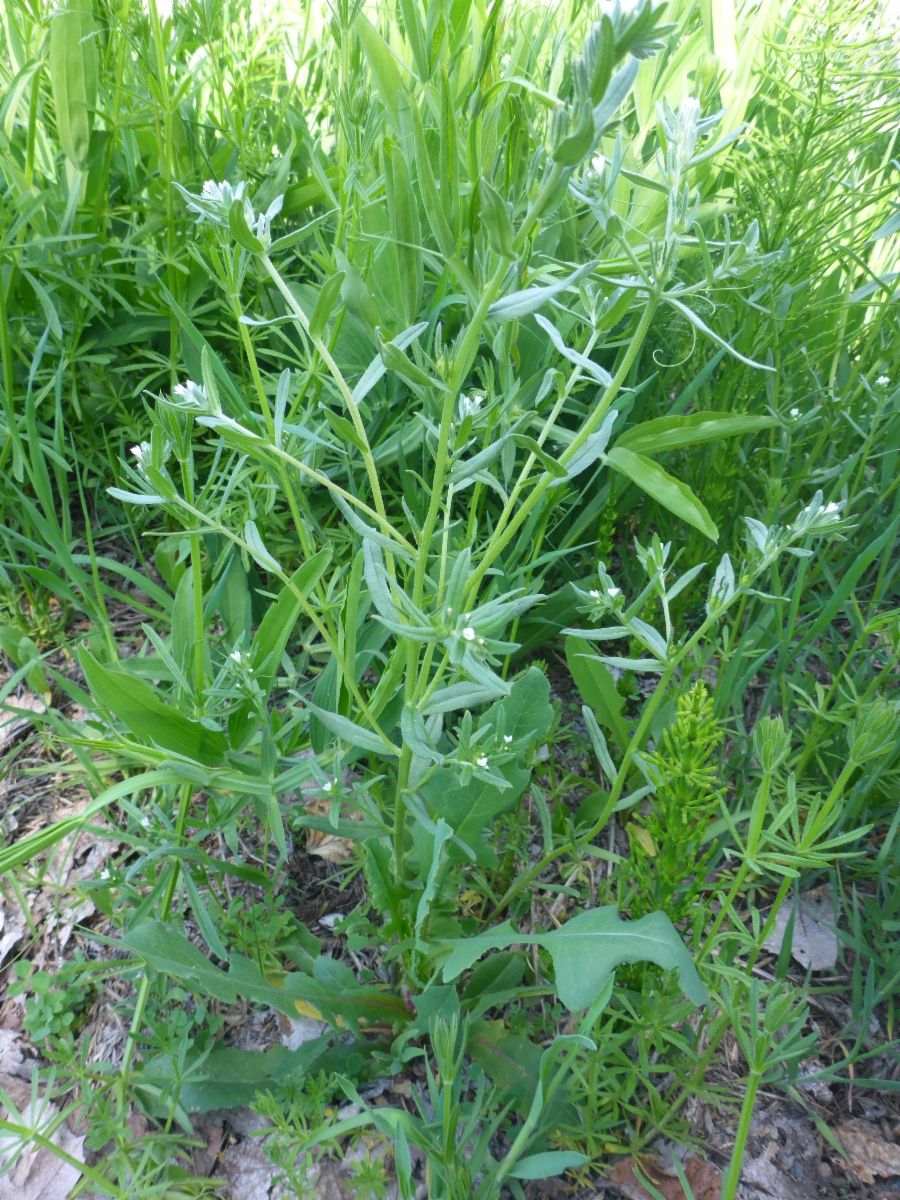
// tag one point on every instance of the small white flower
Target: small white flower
(795, 412)
(469, 406)
(469, 633)
(104, 874)
(190, 394)
(595, 594)
(236, 655)
(832, 507)
(598, 162)
(138, 452)
(883, 380)
(145, 822)
(326, 787)
(613, 592)
(507, 737)
(481, 762)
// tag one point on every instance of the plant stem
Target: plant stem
(733, 1176)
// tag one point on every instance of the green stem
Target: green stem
(733, 1177)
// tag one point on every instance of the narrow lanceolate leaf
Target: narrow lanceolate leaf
(146, 714)
(520, 304)
(73, 77)
(587, 949)
(241, 231)
(667, 433)
(677, 497)
(594, 446)
(704, 328)
(328, 298)
(350, 732)
(593, 369)
(257, 548)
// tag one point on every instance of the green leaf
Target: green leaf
(586, 951)
(666, 433)
(470, 808)
(240, 230)
(495, 218)
(551, 1162)
(383, 65)
(550, 464)
(527, 710)
(513, 1064)
(331, 289)
(403, 211)
(677, 497)
(396, 360)
(343, 428)
(229, 1078)
(520, 304)
(144, 711)
(332, 993)
(73, 67)
(597, 687)
(431, 200)
(350, 732)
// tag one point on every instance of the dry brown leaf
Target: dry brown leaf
(704, 1180)
(328, 845)
(815, 943)
(765, 1175)
(43, 1175)
(869, 1153)
(11, 725)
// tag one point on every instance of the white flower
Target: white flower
(883, 380)
(190, 394)
(145, 822)
(469, 633)
(595, 594)
(138, 452)
(104, 874)
(481, 762)
(469, 406)
(598, 163)
(326, 787)
(832, 507)
(613, 592)
(795, 412)
(507, 737)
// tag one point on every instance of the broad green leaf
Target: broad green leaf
(471, 808)
(332, 993)
(666, 433)
(229, 1078)
(513, 1064)
(597, 687)
(526, 710)
(73, 64)
(144, 711)
(677, 497)
(547, 1164)
(586, 951)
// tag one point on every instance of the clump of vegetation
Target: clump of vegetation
(349, 363)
